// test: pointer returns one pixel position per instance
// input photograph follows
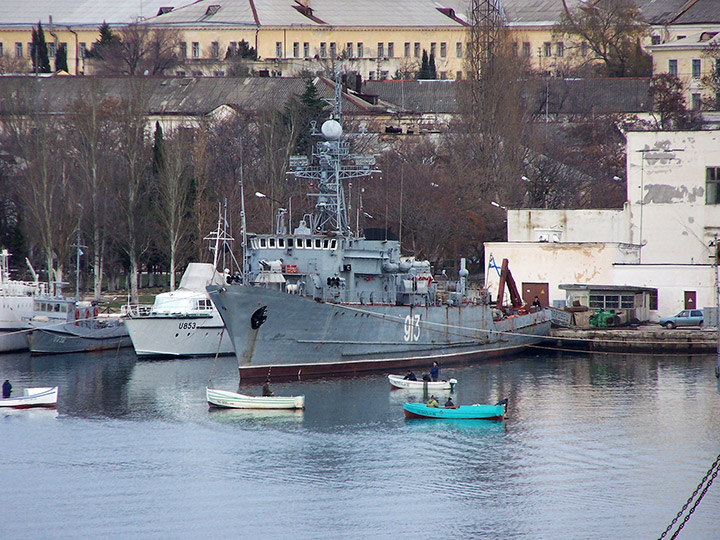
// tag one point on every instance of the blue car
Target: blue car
(687, 317)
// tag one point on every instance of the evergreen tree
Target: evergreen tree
(39, 51)
(432, 72)
(61, 58)
(424, 72)
(302, 110)
(158, 159)
(107, 41)
(246, 51)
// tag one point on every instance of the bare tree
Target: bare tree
(44, 183)
(132, 182)
(138, 49)
(669, 111)
(711, 81)
(92, 145)
(611, 32)
(173, 191)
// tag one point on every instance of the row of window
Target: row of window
(300, 243)
(695, 69)
(622, 301)
(52, 49)
(357, 50)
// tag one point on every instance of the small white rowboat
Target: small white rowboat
(231, 400)
(32, 397)
(397, 381)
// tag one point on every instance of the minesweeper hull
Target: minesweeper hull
(304, 338)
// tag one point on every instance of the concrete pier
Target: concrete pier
(647, 338)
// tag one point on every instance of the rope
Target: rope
(701, 489)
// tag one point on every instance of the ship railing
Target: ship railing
(136, 310)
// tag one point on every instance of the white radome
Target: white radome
(331, 129)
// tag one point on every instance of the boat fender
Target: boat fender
(95, 312)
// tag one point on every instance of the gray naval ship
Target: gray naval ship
(324, 300)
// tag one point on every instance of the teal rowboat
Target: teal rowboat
(463, 412)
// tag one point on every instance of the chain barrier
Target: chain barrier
(702, 488)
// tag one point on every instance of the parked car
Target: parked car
(687, 317)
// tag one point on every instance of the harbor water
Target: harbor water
(593, 446)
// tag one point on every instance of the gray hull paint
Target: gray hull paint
(302, 337)
(71, 339)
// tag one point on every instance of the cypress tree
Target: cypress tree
(431, 67)
(158, 163)
(61, 58)
(39, 51)
(424, 72)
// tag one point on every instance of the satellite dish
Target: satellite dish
(331, 129)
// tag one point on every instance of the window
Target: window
(696, 68)
(391, 50)
(407, 50)
(559, 49)
(196, 49)
(218, 73)
(180, 73)
(183, 49)
(278, 49)
(296, 50)
(458, 50)
(526, 49)
(232, 48)
(627, 301)
(443, 50)
(333, 50)
(349, 50)
(712, 185)
(384, 75)
(696, 102)
(323, 50)
(306, 50)
(458, 75)
(18, 50)
(2, 49)
(672, 67)
(52, 49)
(443, 75)
(605, 301)
(381, 50)
(547, 49)
(416, 50)
(83, 50)
(360, 50)
(432, 49)
(514, 48)
(214, 49)
(371, 75)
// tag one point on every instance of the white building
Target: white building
(661, 239)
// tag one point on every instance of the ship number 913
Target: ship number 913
(412, 328)
(186, 325)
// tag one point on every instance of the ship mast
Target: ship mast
(331, 167)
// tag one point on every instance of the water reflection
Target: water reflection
(244, 417)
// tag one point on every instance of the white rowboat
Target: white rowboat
(397, 381)
(32, 397)
(231, 400)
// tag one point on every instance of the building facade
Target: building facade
(664, 238)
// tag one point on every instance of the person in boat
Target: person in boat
(435, 371)
(449, 404)
(7, 389)
(536, 303)
(266, 392)
(432, 402)
(410, 376)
